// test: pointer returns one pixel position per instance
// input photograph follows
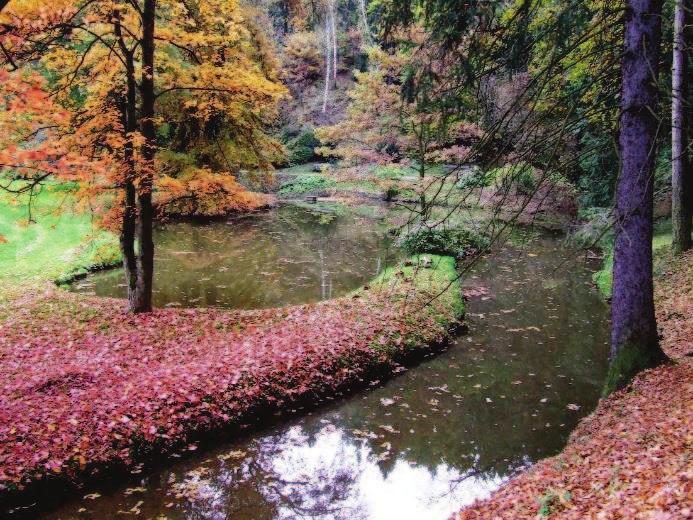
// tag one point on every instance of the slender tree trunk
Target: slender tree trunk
(145, 264)
(333, 23)
(364, 21)
(634, 343)
(328, 62)
(681, 210)
(127, 232)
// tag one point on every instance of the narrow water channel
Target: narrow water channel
(425, 443)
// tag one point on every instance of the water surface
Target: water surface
(425, 443)
(292, 254)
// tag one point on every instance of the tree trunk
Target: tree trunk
(364, 21)
(681, 211)
(333, 23)
(127, 232)
(634, 343)
(145, 263)
(328, 62)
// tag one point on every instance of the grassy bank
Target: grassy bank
(62, 241)
(603, 278)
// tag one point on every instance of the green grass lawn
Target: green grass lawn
(604, 277)
(61, 242)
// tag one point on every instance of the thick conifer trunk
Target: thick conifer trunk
(634, 342)
(145, 260)
(681, 211)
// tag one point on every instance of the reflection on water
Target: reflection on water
(427, 442)
(289, 255)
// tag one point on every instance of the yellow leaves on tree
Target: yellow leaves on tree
(215, 82)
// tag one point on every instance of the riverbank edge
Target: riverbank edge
(628, 457)
(387, 356)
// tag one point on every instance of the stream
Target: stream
(421, 445)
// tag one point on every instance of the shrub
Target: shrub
(451, 242)
(476, 178)
(525, 181)
(520, 174)
(306, 184)
(302, 148)
(390, 193)
(595, 228)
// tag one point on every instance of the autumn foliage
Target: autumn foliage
(84, 385)
(216, 88)
(386, 121)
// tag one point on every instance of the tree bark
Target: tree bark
(127, 232)
(634, 342)
(681, 211)
(328, 62)
(333, 23)
(145, 260)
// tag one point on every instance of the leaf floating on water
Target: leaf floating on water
(139, 489)
(471, 292)
(235, 454)
(366, 434)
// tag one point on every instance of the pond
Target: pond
(292, 254)
(429, 441)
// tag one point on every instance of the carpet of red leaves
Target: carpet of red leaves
(84, 385)
(632, 457)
